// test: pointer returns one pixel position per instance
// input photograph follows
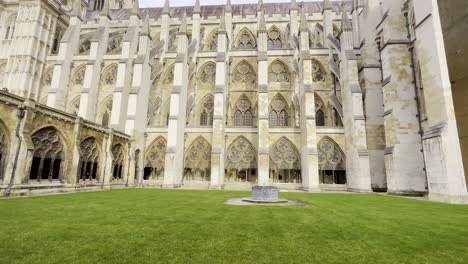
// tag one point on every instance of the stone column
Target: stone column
(309, 154)
(357, 155)
(262, 112)
(218, 151)
(444, 164)
(370, 76)
(174, 164)
(403, 154)
(58, 93)
(327, 20)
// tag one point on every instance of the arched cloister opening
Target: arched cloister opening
(332, 163)
(245, 40)
(285, 162)
(4, 146)
(117, 162)
(241, 161)
(154, 160)
(198, 161)
(48, 154)
(89, 160)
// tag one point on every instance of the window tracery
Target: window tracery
(110, 75)
(245, 40)
(85, 46)
(89, 160)
(78, 76)
(47, 157)
(275, 39)
(332, 163)
(278, 72)
(241, 161)
(318, 74)
(154, 160)
(244, 73)
(198, 161)
(208, 74)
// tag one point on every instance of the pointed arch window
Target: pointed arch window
(212, 42)
(275, 39)
(278, 72)
(278, 116)
(89, 160)
(245, 40)
(243, 113)
(319, 113)
(318, 74)
(198, 161)
(206, 114)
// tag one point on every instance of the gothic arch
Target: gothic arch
(285, 162)
(109, 75)
(118, 158)
(245, 39)
(280, 114)
(198, 160)
(332, 162)
(318, 72)
(278, 72)
(78, 75)
(89, 160)
(154, 160)
(48, 156)
(206, 110)
(207, 73)
(275, 38)
(74, 106)
(241, 161)
(4, 147)
(212, 41)
(169, 74)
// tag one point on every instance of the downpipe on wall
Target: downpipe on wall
(20, 115)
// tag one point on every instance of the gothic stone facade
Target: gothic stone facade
(351, 95)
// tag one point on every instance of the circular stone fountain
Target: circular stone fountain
(265, 195)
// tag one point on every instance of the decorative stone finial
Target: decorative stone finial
(135, 8)
(222, 23)
(346, 24)
(197, 8)
(327, 5)
(228, 7)
(105, 11)
(166, 7)
(76, 11)
(294, 5)
(260, 5)
(183, 25)
(145, 30)
(262, 23)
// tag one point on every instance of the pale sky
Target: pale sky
(160, 3)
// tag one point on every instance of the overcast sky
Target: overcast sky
(160, 3)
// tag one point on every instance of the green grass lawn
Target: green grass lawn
(178, 226)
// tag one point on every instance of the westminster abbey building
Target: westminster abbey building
(359, 96)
